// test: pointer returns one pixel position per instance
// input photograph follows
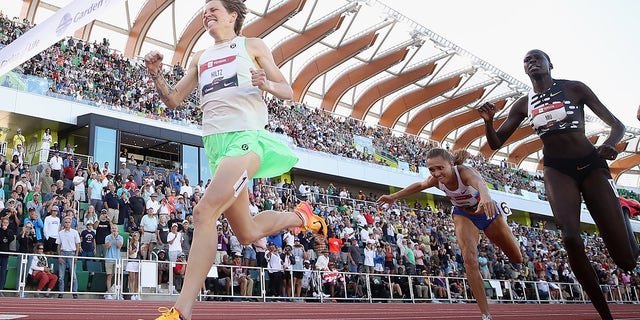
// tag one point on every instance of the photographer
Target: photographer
(6, 237)
(27, 238)
(12, 211)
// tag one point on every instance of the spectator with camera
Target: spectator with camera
(7, 235)
(27, 238)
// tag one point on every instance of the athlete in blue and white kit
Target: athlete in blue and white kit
(473, 211)
(574, 169)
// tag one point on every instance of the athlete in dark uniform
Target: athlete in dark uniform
(573, 167)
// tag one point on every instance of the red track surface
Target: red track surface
(14, 308)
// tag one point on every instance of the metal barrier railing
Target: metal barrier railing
(225, 282)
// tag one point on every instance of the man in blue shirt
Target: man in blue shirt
(177, 180)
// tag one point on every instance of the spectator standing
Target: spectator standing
(369, 256)
(355, 256)
(133, 253)
(274, 267)
(124, 208)
(56, 165)
(90, 215)
(69, 172)
(174, 239)
(162, 231)
(18, 138)
(79, 190)
(95, 190)
(223, 244)
(6, 237)
(103, 228)
(261, 248)
(51, 230)
(138, 175)
(153, 203)
(124, 171)
(137, 204)
(186, 190)
(88, 240)
(68, 248)
(148, 226)
(483, 263)
(177, 180)
(46, 180)
(36, 222)
(27, 238)
(112, 204)
(187, 237)
(112, 243)
(45, 144)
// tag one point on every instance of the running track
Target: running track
(14, 308)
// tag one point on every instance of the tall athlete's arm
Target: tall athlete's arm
(471, 177)
(608, 148)
(517, 113)
(268, 77)
(172, 96)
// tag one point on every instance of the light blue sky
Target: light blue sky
(596, 42)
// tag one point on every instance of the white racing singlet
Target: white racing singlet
(229, 101)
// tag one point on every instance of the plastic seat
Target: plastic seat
(80, 265)
(99, 282)
(12, 279)
(13, 262)
(95, 266)
(83, 280)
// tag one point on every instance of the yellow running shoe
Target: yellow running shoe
(311, 221)
(169, 314)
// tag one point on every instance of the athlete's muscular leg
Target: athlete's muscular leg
(217, 198)
(564, 197)
(500, 234)
(604, 206)
(467, 235)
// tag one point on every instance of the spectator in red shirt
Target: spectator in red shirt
(334, 247)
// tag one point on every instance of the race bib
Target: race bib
(547, 115)
(219, 74)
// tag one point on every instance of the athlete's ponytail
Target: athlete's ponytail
(460, 155)
(457, 157)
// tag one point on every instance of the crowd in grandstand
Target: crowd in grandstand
(108, 78)
(402, 239)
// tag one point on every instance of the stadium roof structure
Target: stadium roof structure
(356, 58)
